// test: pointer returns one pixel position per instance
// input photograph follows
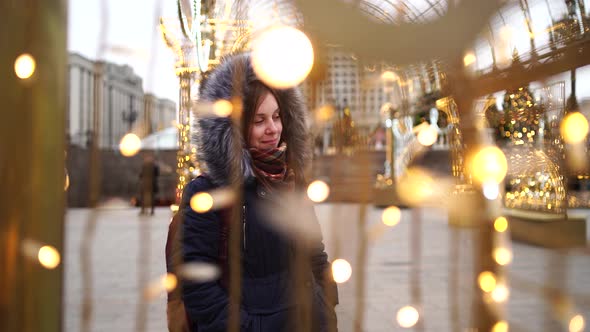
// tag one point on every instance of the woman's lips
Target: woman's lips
(272, 141)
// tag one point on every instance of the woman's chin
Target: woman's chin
(267, 146)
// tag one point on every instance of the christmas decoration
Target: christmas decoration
(533, 148)
(520, 124)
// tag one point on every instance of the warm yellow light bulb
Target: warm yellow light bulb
(415, 186)
(489, 165)
(325, 114)
(318, 191)
(577, 324)
(500, 293)
(427, 135)
(222, 108)
(391, 216)
(282, 57)
(502, 256)
(169, 282)
(388, 76)
(24, 66)
(487, 281)
(574, 128)
(501, 326)
(501, 224)
(49, 257)
(201, 202)
(341, 270)
(130, 144)
(469, 59)
(407, 316)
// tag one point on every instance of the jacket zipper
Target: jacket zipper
(244, 225)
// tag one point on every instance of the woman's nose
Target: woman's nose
(271, 128)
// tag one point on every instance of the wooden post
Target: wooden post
(32, 137)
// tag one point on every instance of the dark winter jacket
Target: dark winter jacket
(268, 284)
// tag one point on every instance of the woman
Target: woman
(271, 163)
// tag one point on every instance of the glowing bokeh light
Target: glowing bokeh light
(500, 293)
(388, 76)
(67, 182)
(416, 186)
(577, 324)
(199, 271)
(325, 114)
(222, 108)
(427, 135)
(130, 144)
(201, 202)
(502, 256)
(501, 326)
(469, 59)
(574, 128)
(491, 190)
(341, 270)
(49, 257)
(486, 281)
(501, 224)
(282, 57)
(169, 282)
(407, 316)
(391, 216)
(24, 66)
(489, 165)
(318, 191)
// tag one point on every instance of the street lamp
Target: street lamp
(129, 116)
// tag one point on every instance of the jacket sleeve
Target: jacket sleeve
(322, 273)
(321, 268)
(206, 303)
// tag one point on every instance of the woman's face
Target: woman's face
(266, 127)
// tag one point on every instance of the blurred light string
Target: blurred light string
(362, 253)
(94, 189)
(453, 290)
(143, 258)
(416, 266)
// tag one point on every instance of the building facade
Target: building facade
(353, 90)
(110, 98)
(159, 113)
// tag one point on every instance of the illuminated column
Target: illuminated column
(32, 137)
(185, 156)
(186, 70)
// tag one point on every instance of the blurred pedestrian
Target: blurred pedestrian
(148, 179)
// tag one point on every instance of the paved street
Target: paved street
(445, 263)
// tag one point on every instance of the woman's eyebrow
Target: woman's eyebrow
(264, 114)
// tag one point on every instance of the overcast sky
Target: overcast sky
(130, 35)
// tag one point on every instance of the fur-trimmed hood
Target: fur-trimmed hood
(215, 136)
